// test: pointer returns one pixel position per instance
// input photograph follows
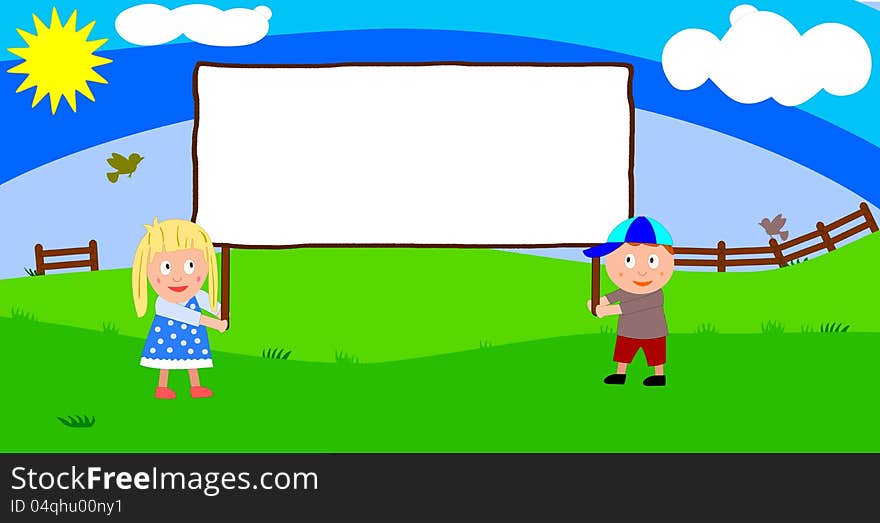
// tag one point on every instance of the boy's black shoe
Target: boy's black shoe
(655, 381)
(615, 379)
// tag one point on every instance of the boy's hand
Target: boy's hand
(607, 310)
(602, 301)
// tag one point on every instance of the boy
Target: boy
(639, 260)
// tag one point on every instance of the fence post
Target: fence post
(869, 218)
(38, 254)
(826, 238)
(777, 252)
(93, 255)
(722, 265)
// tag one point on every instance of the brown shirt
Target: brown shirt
(641, 315)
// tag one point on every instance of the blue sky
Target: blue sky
(689, 143)
(636, 28)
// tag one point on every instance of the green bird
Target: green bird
(123, 165)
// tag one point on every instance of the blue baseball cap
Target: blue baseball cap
(640, 229)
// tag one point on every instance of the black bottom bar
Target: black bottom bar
(544, 487)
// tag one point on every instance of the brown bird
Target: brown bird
(123, 165)
(774, 227)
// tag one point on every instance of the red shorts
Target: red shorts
(626, 348)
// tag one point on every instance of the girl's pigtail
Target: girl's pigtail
(139, 274)
(211, 260)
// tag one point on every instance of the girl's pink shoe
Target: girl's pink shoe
(164, 393)
(200, 392)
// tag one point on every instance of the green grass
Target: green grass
(772, 327)
(22, 315)
(726, 392)
(833, 327)
(344, 358)
(706, 328)
(394, 354)
(797, 261)
(276, 353)
(77, 422)
(395, 304)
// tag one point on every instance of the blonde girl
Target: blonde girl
(177, 258)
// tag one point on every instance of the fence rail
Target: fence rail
(774, 253)
(42, 265)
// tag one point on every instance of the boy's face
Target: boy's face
(640, 269)
(177, 276)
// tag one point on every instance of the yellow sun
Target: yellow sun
(58, 61)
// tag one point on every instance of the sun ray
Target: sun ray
(26, 36)
(20, 68)
(70, 96)
(93, 45)
(55, 22)
(84, 89)
(27, 83)
(41, 93)
(71, 22)
(59, 60)
(39, 25)
(98, 60)
(92, 76)
(86, 29)
(54, 98)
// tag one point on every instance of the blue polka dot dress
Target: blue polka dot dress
(174, 344)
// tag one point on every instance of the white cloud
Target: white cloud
(153, 24)
(764, 56)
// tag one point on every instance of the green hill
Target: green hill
(726, 393)
(390, 304)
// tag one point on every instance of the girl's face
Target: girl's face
(177, 276)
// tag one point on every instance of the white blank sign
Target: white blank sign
(439, 154)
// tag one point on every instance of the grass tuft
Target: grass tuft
(30, 272)
(20, 314)
(485, 344)
(833, 327)
(108, 327)
(606, 329)
(797, 261)
(772, 327)
(276, 353)
(346, 359)
(77, 422)
(706, 328)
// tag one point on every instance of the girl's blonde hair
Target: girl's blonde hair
(169, 236)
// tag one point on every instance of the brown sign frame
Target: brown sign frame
(226, 247)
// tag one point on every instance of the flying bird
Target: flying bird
(123, 165)
(774, 227)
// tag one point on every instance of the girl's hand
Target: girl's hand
(213, 323)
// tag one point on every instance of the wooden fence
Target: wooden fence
(41, 254)
(825, 237)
